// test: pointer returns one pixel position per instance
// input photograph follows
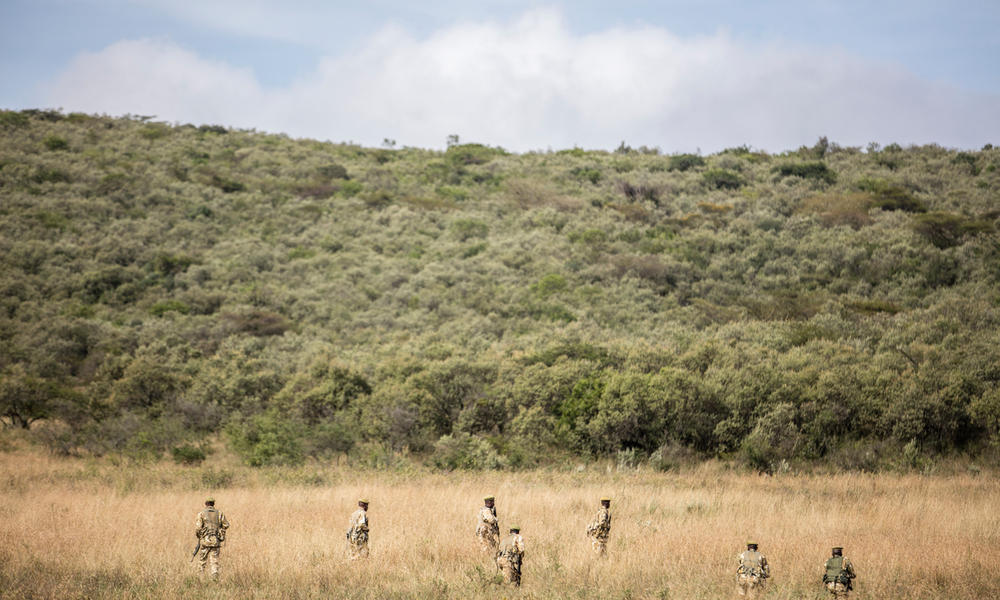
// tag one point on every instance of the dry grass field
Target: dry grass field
(93, 529)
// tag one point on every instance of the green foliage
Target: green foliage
(684, 162)
(969, 160)
(54, 142)
(469, 228)
(463, 451)
(165, 306)
(472, 154)
(12, 119)
(552, 283)
(267, 439)
(188, 455)
(946, 230)
(890, 196)
(807, 170)
(50, 175)
(333, 171)
(478, 309)
(590, 174)
(722, 179)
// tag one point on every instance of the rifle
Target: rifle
(196, 549)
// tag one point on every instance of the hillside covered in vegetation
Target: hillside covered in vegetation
(164, 286)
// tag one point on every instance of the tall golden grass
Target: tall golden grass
(93, 529)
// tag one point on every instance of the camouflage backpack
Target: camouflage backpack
(835, 571)
(212, 534)
(750, 563)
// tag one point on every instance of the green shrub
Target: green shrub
(638, 193)
(553, 283)
(809, 170)
(351, 188)
(164, 306)
(228, 186)
(469, 228)
(54, 142)
(969, 160)
(267, 439)
(684, 162)
(891, 196)
(188, 455)
(722, 179)
(333, 171)
(260, 323)
(464, 451)
(155, 131)
(472, 154)
(216, 129)
(946, 230)
(590, 174)
(12, 119)
(50, 175)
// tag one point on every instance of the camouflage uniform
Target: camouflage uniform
(752, 572)
(509, 556)
(599, 529)
(210, 528)
(838, 576)
(357, 535)
(488, 529)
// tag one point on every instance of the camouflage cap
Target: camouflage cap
(514, 528)
(835, 548)
(362, 500)
(210, 500)
(488, 498)
(605, 499)
(751, 543)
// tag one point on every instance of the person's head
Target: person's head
(363, 503)
(515, 529)
(606, 502)
(752, 546)
(838, 551)
(210, 501)
(488, 500)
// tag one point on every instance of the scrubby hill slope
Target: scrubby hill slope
(162, 284)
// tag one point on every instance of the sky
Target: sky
(679, 75)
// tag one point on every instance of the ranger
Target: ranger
(600, 528)
(838, 574)
(752, 572)
(487, 526)
(510, 555)
(210, 528)
(357, 533)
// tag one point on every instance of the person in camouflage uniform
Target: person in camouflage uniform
(752, 571)
(487, 526)
(210, 528)
(510, 555)
(600, 528)
(838, 574)
(357, 534)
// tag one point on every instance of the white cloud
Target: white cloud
(533, 84)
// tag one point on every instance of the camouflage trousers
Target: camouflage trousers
(837, 589)
(209, 556)
(488, 541)
(599, 544)
(750, 586)
(358, 547)
(511, 571)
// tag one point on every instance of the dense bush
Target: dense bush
(808, 170)
(683, 162)
(477, 309)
